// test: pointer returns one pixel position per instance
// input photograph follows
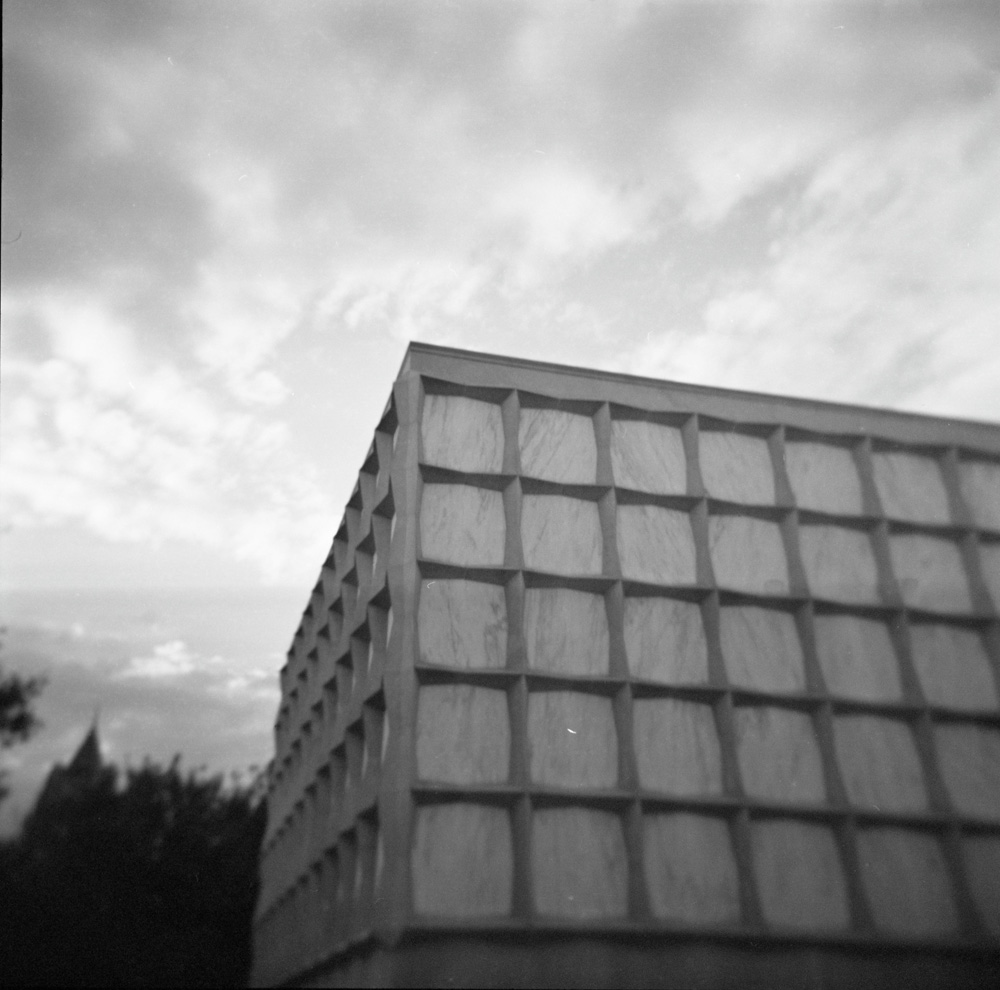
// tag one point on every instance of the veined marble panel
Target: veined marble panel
(857, 657)
(558, 446)
(906, 880)
(566, 631)
(572, 740)
(982, 870)
(462, 860)
(676, 746)
(839, 564)
(665, 641)
(463, 734)
(953, 666)
(761, 648)
(748, 554)
(969, 757)
(656, 544)
(823, 477)
(799, 875)
(980, 481)
(879, 763)
(579, 863)
(736, 467)
(930, 572)
(462, 623)
(989, 559)
(911, 487)
(462, 525)
(561, 534)
(690, 868)
(648, 457)
(778, 755)
(463, 434)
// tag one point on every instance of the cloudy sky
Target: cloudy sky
(223, 222)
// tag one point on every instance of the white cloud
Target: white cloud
(172, 659)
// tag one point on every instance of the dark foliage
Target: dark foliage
(17, 716)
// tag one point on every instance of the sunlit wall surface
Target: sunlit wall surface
(667, 671)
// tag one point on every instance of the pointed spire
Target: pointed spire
(88, 757)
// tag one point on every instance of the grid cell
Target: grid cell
(989, 558)
(748, 555)
(656, 544)
(566, 631)
(463, 434)
(557, 446)
(824, 478)
(462, 524)
(648, 457)
(736, 467)
(676, 746)
(857, 657)
(779, 756)
(839, 564)
(982, 869)
(969, 757)
(561, 534)
(953, 667)
(930, 572)
(761, 648)
(572, 739)
(910, 487)
(665, 640)
(980, 483)
(462, 623)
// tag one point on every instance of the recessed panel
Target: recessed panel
(824, 478)
(462, 434)
(748, 555)
(879, 763)
(648, 457)
(910, 487)
(989, 559)
(665, 640)
(676, 746)
(953, 666)
(572, 740)
(557, 446)
(462, 524)
(930, 572)
(982, 870)
(778, 755)
(561, 534)
(736, 467)
(857, 657)
(980, 482)
(761, 648)
(839, 564)
(656, 545)
(566, 631)
(462, 623)
(969, 757)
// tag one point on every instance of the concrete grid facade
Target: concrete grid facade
(609, 680)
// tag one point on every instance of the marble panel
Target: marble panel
(953, 666)
(857, 657)
(462, 623)
(561, 535)
(566, 631)
(462, 524)
(930, 572)
(980, 482)
(656, 545)
(778, 755)
(761, 648)
(839, 564)
(800, 879)
(989, 559)
(906, 879)
(648, 457)
(823, 478)
(665, 640)
(736, 467)
(463, 734)
(463, 434)
(558, 446)
(748, 554)
(879, 763)
(579, 863)
(676, 746)
(690, 869)
(911, 487)
(969, 758)
(462, 860)
(572, 740)
(982, 869)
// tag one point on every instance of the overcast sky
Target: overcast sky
(222, 223)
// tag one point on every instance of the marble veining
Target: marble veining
(969, 757)
(648, 457)
(982, 871)
(778, 755)
(656, 544)
(879, 763)
(462, 623)
(761, 648)
(748, 554)
(665, 640)
(857, 657)
(558, 446)
(980, 482)
(561, 534)
(462, 525)
(676, 746)
(911, 487)
(462, 434)
(930, 572)
(566, 631)
(823, 477)
(839, 564)
(953, 666)
(572, 739)
(736, 467)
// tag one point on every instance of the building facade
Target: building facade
(613, 681)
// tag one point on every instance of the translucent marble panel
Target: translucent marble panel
(857, 657)
(462, 860)
(463, 734)
(953, 666)
(665, 640)
(980, 481)
(463, 434)
(911, 487)
(982, 868)
(930, 572)
(676, 746)
(656, 544)
(823, 478)
(778, 755)
(558, 446)
(462, 623)
(579, 863)
(560, 534)
(462, 525)
(799, 875)
(906, 879)
(839, 564)
(690, 868)
(761, 648)
(989, 559)
(571, 739)
(879, 763)
(648, 457)
(748, 554)
(566, 631)
(736, 468)
(969, 758)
